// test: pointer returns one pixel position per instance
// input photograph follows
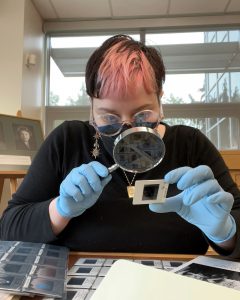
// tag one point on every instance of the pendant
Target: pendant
(95, 152)
(130, 190)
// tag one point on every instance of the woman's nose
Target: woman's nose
(128, 122)
(126, 126)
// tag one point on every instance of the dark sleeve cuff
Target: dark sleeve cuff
(235, 253)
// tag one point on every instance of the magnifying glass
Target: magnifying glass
(137, 150)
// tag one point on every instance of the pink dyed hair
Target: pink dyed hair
(123, 70)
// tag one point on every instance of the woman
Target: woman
(24, 139)
(69, 198)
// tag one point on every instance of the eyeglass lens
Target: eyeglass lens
(110, 124)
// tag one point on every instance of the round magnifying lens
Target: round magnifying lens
(138, 150)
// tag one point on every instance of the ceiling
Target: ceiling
(57, 10)
(186, 58)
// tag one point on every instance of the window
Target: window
(202, 87)
(68, 58)
(202, 70)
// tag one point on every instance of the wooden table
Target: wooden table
(74, 256)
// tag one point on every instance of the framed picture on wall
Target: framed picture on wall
(20, 139)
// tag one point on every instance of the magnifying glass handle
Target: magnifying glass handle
(113, 168)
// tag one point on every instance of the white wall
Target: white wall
(20, 87)
(11, 51)
(32, 77)
(20, 33)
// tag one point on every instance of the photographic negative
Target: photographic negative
(26, 251)
(49, 272)
(55, 254)
(4, 248)
(18, 263)
(56, 248)
(30, 245)
(212, 270)
(78, 282)
(11, 282)
(15, 268)
(150, 191)
(151, 263)
(78, 294)
(44, 286)
(96, 262)
(222, 277)
(48, 261)
(51, 253)
(109, 262)
(169, 265)
(84, 270)
(19, 258)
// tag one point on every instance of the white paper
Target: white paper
(132, 281)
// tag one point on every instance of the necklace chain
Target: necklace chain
(133, 178)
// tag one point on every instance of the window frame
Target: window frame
(191, 110)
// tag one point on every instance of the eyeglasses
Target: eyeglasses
(109, 124)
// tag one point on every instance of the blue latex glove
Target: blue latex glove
(203, 202)
(81, 188)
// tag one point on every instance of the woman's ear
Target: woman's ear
(160, 104)
(161, 94)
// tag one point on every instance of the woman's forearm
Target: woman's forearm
(57, 221)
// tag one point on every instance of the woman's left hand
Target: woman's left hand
(202, 202)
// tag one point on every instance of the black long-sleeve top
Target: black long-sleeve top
(113, 223)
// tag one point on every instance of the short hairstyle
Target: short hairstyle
(121, 64)
(23, 128)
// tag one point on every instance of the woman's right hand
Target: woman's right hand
(81, 189)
